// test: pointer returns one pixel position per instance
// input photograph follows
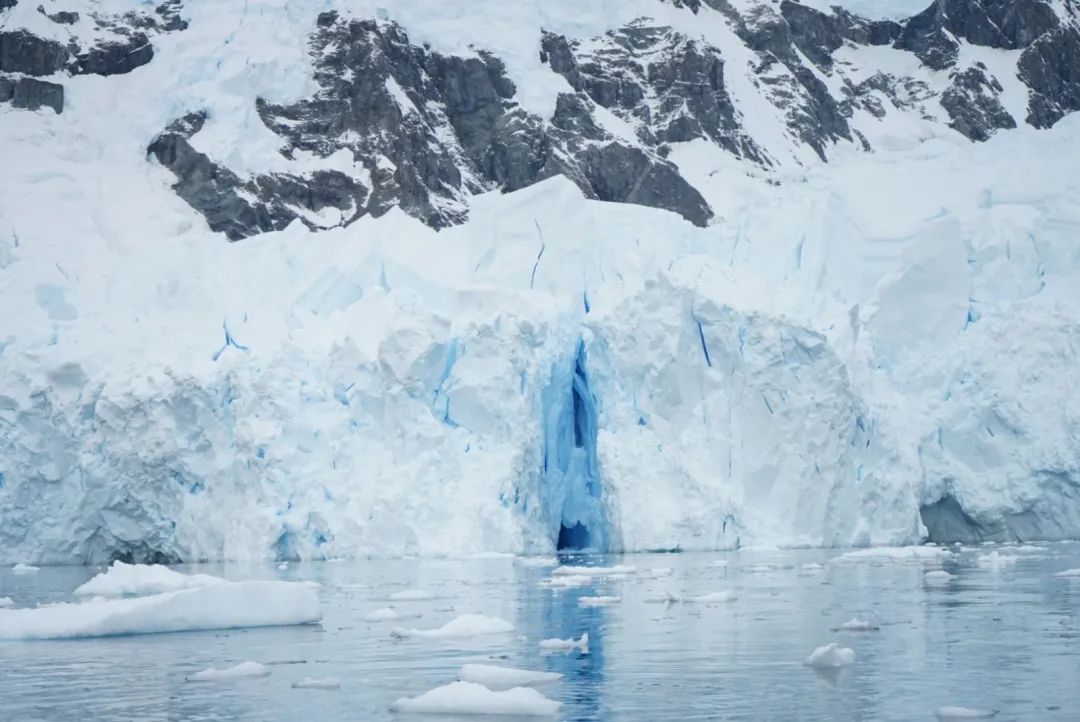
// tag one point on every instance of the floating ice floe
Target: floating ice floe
(811, 568)
(758, 568)
(501, 677)
(830, 656)
(996, 561)
(469, 698)
(565, 582)
(566, 645)
(466, 625)
(719, 563)
(938, 576)
(537, 561)
(411, 595)
(856, 625)
(21, 568)
(283, 566)
(385, 614)
(317, 683)
(710, 598)
(243, 670)
(911, 553)
(222, 606)
(569, 571)
(6, 602)
(121, 580)
(1069, 573)
(598, 601)
(952, 713)
(659, 572)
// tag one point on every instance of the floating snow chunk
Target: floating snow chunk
(469, 698)
(6, 602)
(566, 645)
(893, 553)
(565, 582)
(223, 606)
(949, 713)
(567, 571)
(243, 670)
(938, 576)
(121, 580)
(24, 569)
(317, 683)
(598, 601)
(996, 561)
(1069, 573)
(502, 677)
(283, 566)
(537, 561)
(830, 656)
(856, 625)
(385, 614)
(467, 625)
(411, 595)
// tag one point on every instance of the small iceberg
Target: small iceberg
(223, 606)
(830, 656)
(568, 571)
(565, 582)
(951, 713)
(411, 595)
(469, 698)
(938, 576)
(6, 602)
(856, 625)
(467, 625)
(598, 601)
(881, 554)
(317, 683)
(23, 569)
(123, 580)
(386, 614)
(710, 598)
(995, 561)
(283, 566)
(811, 568)
(566, 645)
(1069, 573)
(243, 670)
(537, 561)
(504, 677)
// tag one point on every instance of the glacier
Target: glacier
(877, 350)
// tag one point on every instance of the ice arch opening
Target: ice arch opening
(571, 491)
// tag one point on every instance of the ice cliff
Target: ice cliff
(639, 275)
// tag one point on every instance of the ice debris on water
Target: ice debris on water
(938, 576)
(385, 614)
(22, 569)
(469, 698)
(283, 566)
(317, 683)
(598, 601)
(6, 602)
(566, 645)
(243, 670)
(122, 580)
(466, 625)
(830, 656)
(537, 561)
(856, 625)
(995, 561)
(565, 582)
(955, 713)
(572, 571)
(1069, 573)
(499, 677)
(411, 595)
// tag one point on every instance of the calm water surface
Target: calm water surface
(1004, 638)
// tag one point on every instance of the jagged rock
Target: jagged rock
(819, 34)
(115, 58)
(972, 103)
(24, 52)
(240, 208)
(1051, 68)
(63, 17)
(31, 94)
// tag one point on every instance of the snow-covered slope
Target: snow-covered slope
(757, 274)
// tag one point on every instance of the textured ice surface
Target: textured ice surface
(566, 645)
(242, 670)
(831, 655)
(224, 606)
(467, 698)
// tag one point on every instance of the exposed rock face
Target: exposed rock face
(1051, 68)
(31, 94)
(972, 103)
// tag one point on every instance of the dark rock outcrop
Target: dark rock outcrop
(1051, 68)
(23, 52)
(31, 94)
(972, 103)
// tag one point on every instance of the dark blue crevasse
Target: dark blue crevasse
(571, 492)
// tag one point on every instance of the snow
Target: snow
(317, 683)
(244, 670)
(465, 625)
(598, 601)
(224, 606)
(952, 713)
(493, 676)
(468, 698)
(565, 645)
(122, 579)
(882, 331)
(830, 656)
